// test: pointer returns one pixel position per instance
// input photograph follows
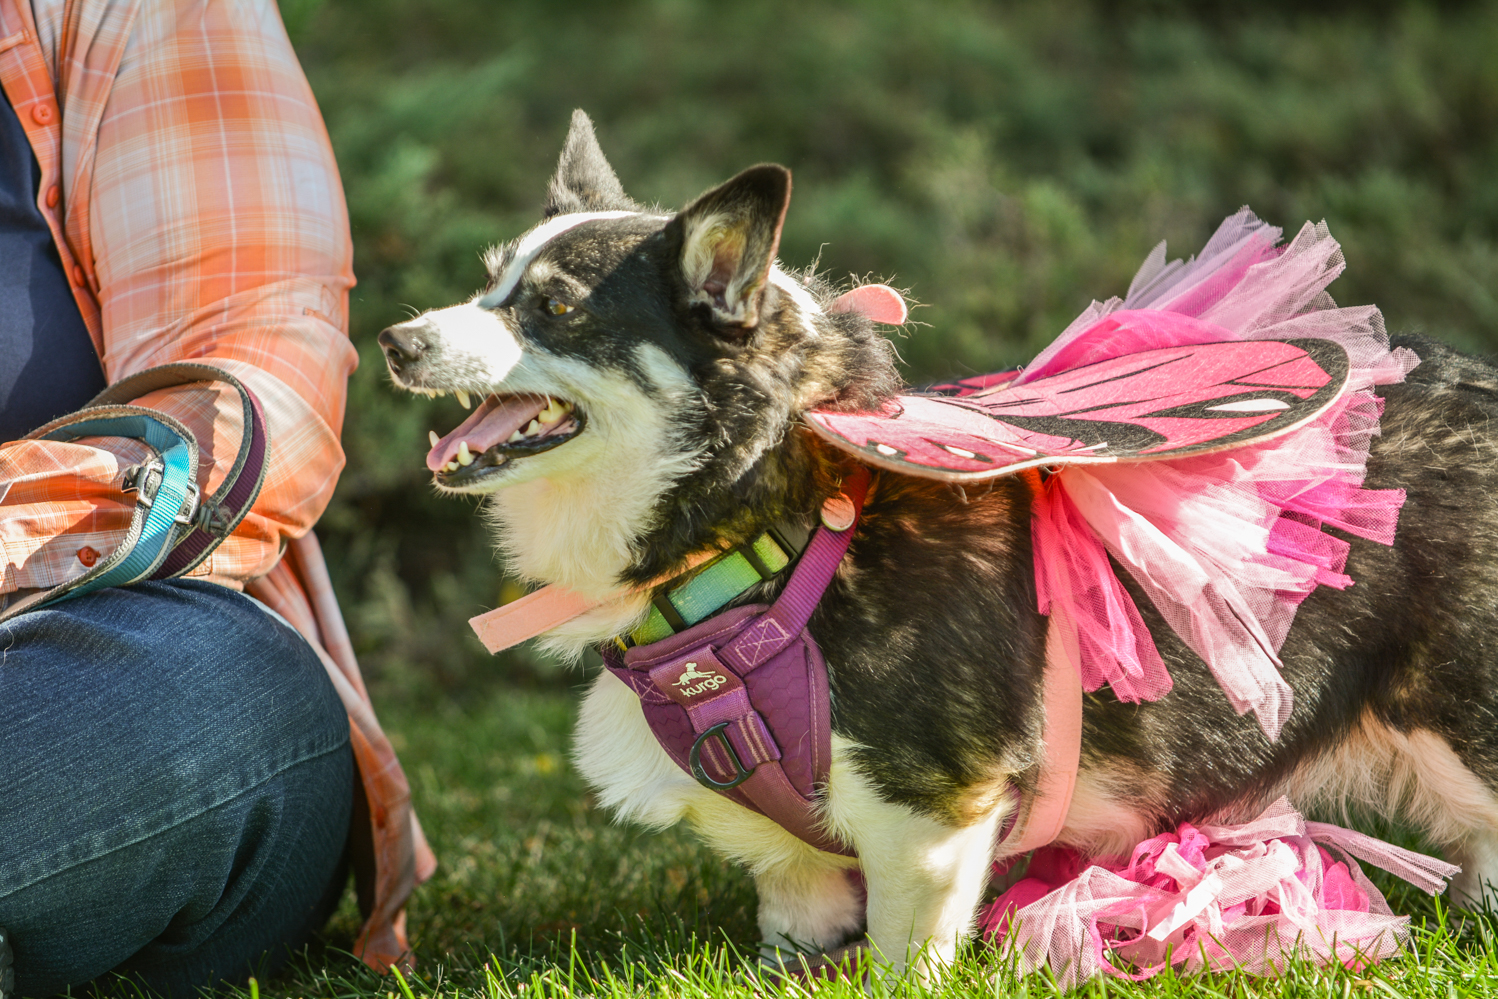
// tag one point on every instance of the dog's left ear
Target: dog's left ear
(584, 181)
(729, 237)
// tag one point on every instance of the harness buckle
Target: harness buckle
(695, 759)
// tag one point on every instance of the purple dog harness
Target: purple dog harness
(740, 700)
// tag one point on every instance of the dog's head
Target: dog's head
(644, 370)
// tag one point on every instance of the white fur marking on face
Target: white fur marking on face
(574, 516)
(531, 244)
(474, 341)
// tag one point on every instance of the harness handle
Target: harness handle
(788, 617)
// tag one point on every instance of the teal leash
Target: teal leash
(166, 495)
(173, 528)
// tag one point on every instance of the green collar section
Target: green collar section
(715, 584)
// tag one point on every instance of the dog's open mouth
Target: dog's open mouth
(502, 429)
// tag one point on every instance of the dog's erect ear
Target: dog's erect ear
(729, 237)
(584, 181)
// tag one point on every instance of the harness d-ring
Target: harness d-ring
(695, 759)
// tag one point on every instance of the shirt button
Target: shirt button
(87, 556)
(42, 113)
(78, 275)
(54, 195)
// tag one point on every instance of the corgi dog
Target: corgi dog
(643, 377)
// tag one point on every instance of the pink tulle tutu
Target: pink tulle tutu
(1226, 545)
(1248, 897)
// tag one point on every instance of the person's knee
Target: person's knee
(209, 898)
(183, 721)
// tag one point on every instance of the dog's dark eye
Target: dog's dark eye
(557, 307)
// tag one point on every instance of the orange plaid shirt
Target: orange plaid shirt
(191, 191)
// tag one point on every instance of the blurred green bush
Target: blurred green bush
(1005, 162)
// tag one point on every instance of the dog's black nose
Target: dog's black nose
(403, 344)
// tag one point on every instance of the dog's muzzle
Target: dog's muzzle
(405, 344)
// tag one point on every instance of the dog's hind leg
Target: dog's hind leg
(1415, 776)
(1458, 810)
(924, 877)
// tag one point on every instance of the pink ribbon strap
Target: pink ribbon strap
(1063, 750)
(551, 607)
(533, 614)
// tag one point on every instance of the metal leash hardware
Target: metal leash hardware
(698, 771)
(173, 528)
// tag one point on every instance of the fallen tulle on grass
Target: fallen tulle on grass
(1251, 897)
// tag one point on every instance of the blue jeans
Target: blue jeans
(175, 788)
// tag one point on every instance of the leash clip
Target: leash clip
(138, 479)
(187, 515)
(695, 759)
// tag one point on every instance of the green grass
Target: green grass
(539, 895)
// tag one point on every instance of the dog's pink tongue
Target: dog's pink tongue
(492, 423)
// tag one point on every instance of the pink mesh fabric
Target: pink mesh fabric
(1095, 620)
(1215, 898)
(1226, 545)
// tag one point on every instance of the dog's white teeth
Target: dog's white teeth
(465, 456)
(451, 466)
(432, 436)
(463, 399)
(516, 436)
(533, 428)
(552, 413)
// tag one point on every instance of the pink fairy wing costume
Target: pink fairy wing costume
(1247, 897)
(1151, 404)
(1202, 431)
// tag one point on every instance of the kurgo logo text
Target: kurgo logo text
(710, 681)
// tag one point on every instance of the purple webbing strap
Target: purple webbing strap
(223, 511)
(654, 672)
(769, 787)
(804, 590)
